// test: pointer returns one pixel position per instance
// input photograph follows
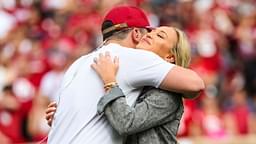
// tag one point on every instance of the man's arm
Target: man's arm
(157, 108)
(183, 80)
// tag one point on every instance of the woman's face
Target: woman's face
(159, 41)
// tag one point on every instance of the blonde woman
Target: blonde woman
(155, 117)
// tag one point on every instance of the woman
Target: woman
(156, 115)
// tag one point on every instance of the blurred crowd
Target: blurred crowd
(39, 39)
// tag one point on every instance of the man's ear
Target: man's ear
(170, 58)
(136, 35)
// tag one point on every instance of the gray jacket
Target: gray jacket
(154, 119)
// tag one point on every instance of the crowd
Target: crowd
(39, 39)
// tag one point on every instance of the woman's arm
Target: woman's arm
(156, 108)
(183, 81)
(178, 79)
(49, 113)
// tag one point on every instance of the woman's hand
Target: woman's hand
(106, 68)
(50, 111)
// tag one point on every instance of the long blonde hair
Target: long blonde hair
(182, 50)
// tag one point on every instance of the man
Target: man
(76, 119)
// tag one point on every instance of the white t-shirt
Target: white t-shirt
(76, 120)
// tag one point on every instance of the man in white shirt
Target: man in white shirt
(76, 119)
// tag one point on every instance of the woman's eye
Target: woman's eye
(160, 36)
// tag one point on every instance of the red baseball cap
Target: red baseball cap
(121, 17)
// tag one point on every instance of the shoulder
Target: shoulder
(159, 94)
(154, 91)
(131, 52)
(143, 54)
(141, 58)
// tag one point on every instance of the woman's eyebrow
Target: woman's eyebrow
(164, 33)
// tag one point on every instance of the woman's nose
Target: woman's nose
(149, 35)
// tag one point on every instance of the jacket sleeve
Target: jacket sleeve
(157, 107)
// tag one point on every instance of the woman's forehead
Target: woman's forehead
(170, 31)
